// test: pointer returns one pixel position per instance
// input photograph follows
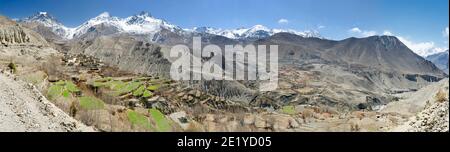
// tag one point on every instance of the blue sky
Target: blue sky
(420, 23)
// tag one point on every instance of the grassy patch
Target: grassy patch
(138, 92)
(60, 82)
(66, 93)
(137, 119)
(116, 85)
(153, 87)
(62, 88)
(162, 123)
(139, 87)
(98, 84)
(147, 94)
(71, 87)
(54, 91)
(91, 103)
(289, 110)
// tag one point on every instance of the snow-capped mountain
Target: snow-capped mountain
(144, 23)
(49, 21)
(255, 32)
(141, 23)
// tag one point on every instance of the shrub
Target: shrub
(354, 127)
(441, 96)
(13, 67)
(53, 67)
(73, 109)
(306, 114)
(34, 77)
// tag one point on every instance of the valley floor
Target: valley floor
(24, 109)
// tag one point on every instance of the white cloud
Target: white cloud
(283, 21)
(355, 30)
(321, 26)
(361, 33)
(369, 33)
(445, 32)
(388, 33)
(421, 48)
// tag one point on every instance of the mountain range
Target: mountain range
(440, 60)
(328, 78)
(371, 66)
(144, 23)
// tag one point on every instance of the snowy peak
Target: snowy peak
(202, 29)
(257, 28)
(306, 33)
(254, 32)
(145, 23)
(140, 18)
(47, 20)
(102, 18)
(43, 18)
(104, 15)
(142, 23)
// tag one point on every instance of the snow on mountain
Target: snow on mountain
(48, 20)
(144, 23)
(141, 23)
(255, 32)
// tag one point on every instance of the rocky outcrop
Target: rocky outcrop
(433, 119)
(428, 109)
(12, 33)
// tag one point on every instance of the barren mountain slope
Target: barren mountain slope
(427, 108)
(414, 102)
(440, 60)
